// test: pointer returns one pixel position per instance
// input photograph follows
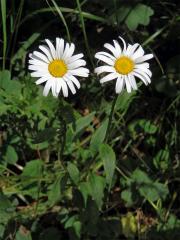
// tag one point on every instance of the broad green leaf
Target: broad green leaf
(85, 190)
(47, 134)
(23, 234)
(140, 14)
(109, 160)
(149, 189)
(6, 208)
(124, 101)
(127, 196)
(73, 172)
(154, 191)
(141, 177)
(5, 79)
(55, 194)
(33, 169)
(77, 228)
(97, 184)
(69, 223)
(11, 155)
(98, 137)
(2, 230)
(12, 87)
(84, 122)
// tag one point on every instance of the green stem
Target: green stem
(62, 133)
(3, 13)
(62, 141)
(84, 32)
(110, 119)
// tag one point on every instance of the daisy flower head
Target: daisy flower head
(124, 64)
(57, 67)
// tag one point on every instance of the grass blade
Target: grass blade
(58, 9)
(3, 13)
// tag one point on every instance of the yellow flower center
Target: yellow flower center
(124, 65)
(57, 68)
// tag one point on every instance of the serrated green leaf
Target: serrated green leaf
(109, 160)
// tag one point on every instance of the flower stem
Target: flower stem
(110, 118)
(61, 133)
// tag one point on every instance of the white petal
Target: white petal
(145, 81)
(120, 84)
(105, 59)
(38, 68)
(81, 72)
(61, 48)
(54, 92)
(124, 44)
(41, 56)
(41, 80)
(76, 64)
(132, 81)
(143, 58)
(118, 48)
(112, 49)
(52, 49)
(64, 88)
(128, 50)
(66, 50)
(71, 85)
(37, 74)
(107, 55)
(37, 62)
(142, 65)
(143, 74)
(128, 85)
(47, 88)
(71, 51)
(46, 51)
(58, 85)
(74, 80)
(57, 47)
(131, 49)
(143, 69)
(138, 53)
(108, 77)
(73, 58)
(103, 69)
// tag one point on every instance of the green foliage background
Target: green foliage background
(126, 188)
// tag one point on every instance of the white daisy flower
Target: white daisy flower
(58, 67)
(124, 64)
